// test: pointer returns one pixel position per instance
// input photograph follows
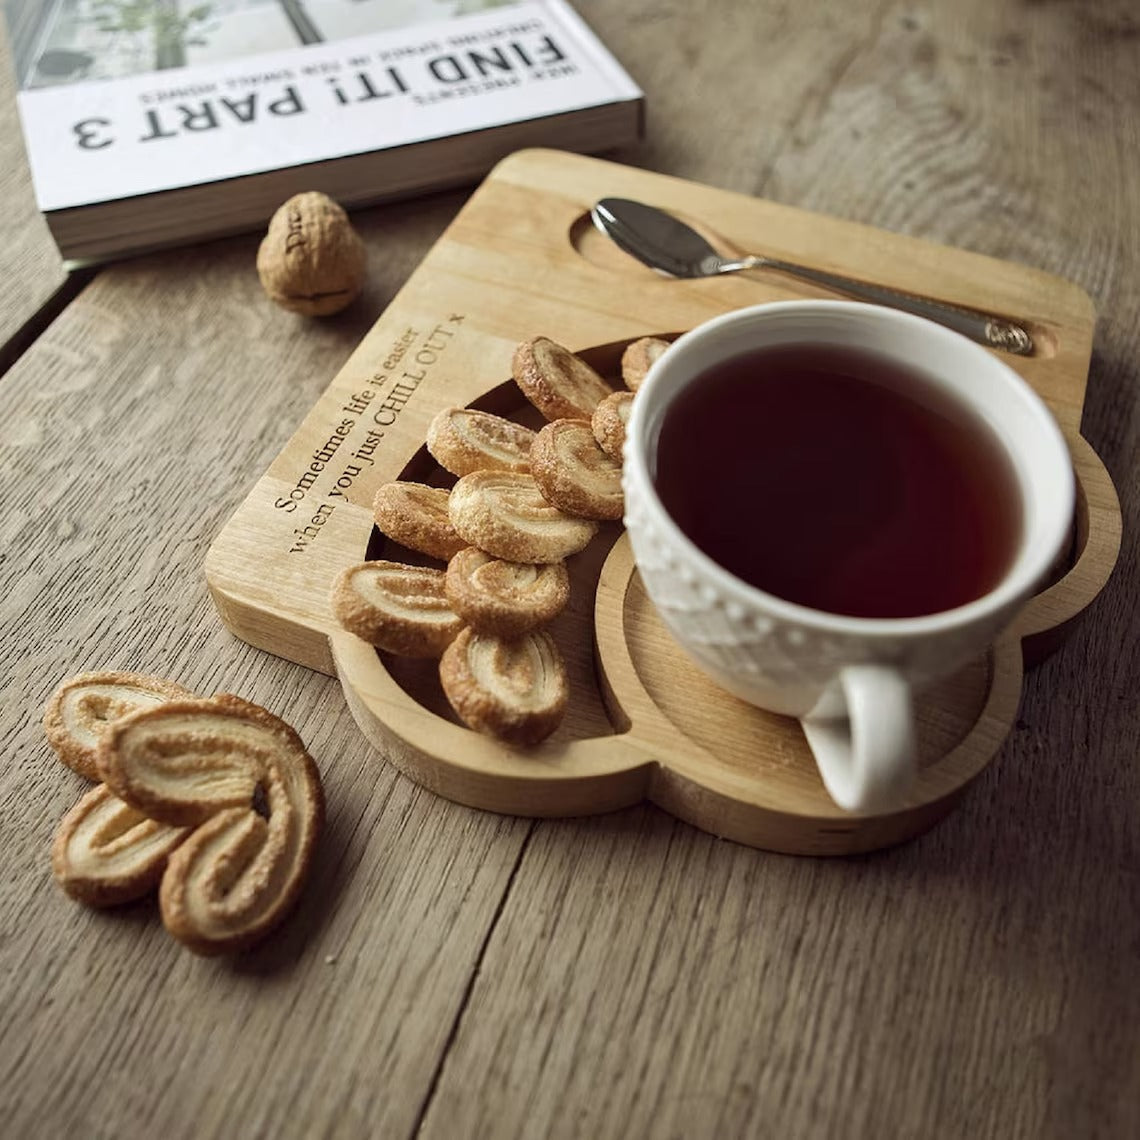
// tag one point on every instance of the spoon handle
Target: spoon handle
(994, 332)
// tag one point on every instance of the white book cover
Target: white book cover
(126, 97)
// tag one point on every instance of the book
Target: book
(151, 123)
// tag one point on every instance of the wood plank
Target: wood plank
(33, 270)
(641, 978)
(971, 983)
(132, 429)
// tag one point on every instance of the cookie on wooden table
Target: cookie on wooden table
(515, 689)
(574, 473)
(398, 608)
(609, 423)
(505, 598)
(462, 440)
(81, 708)
(415, 516)
(505, 514)
(106, 852)
(556, 381)
(637, 359)
(242, 780)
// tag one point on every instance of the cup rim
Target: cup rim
(1020, 578)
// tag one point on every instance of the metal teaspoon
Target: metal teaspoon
(667, 244)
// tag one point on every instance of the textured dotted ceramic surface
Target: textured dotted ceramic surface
(773, 660)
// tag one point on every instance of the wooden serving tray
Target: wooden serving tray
(521, 259)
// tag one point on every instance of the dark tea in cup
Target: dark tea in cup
(839, 480)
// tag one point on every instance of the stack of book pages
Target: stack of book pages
(150, 123)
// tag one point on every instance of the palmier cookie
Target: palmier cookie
(574, 473)
(243, 781)
(505, 598)
(462, 440)
(106, 853)
(81, 708)
(637, 359)
(505, 514)
(558, 383)
(415, 516)
(609, 422)
(515, 689)
(398, 608)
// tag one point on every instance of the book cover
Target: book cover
(123, 98)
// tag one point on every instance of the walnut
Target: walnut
(311, 260)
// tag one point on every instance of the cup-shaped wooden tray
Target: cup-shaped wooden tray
(521, 260)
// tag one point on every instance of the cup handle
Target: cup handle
(866, 759)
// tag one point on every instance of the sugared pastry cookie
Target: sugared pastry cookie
(462, 440)
(106, 853)
(609, 421)
(638, 358)
(398, 608)
(505, 598)
(513, 689)
(243, 781)
(558, 383)
(415, 516)
(505, 514)
(80, 709)
(574, 473)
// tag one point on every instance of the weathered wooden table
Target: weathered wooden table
(451, 972)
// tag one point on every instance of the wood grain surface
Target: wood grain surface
(454, 973)
(34, 285)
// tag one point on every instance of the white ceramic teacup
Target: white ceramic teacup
(850, 680)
